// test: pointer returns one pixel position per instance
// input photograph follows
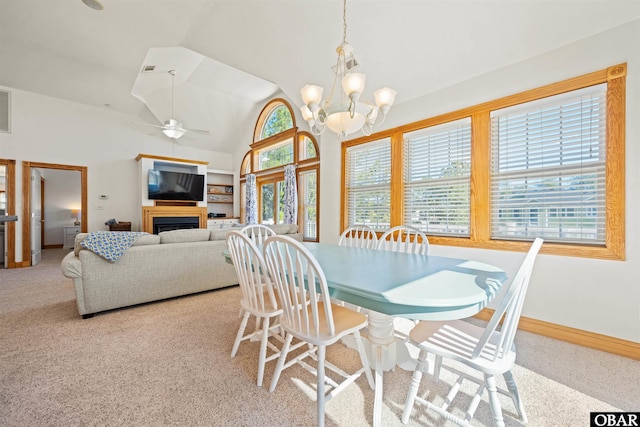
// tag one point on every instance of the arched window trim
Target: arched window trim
(266, 113)
(248, 164)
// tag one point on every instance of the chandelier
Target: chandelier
(347, 114)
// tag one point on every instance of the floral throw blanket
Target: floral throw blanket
(110, 245)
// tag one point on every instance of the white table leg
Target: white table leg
(383, 358)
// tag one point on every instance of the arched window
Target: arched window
(277, 143)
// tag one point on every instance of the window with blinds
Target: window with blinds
(548, 168)
(368, 184)
(437, 178)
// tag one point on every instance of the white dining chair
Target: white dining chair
(404, 238)
(309, 316)
(258, 298)
(489, 350)
(359, 236)
(258, 232)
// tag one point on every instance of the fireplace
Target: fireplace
(150, 215)
(166, 223)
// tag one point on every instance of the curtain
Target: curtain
(290, 195)
(252, 200)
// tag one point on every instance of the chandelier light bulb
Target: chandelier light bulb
(385, 97)
(353, 85)
(306, 113)
(311, 95)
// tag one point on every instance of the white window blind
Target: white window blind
(437, 178)
(368, 181)
(548, 168)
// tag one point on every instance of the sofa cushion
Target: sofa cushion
(185, 235)
(220, 234)
(147, 239)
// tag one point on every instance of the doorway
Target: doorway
(27, 203)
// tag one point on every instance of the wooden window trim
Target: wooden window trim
(480, 232)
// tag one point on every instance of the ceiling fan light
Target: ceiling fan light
(173, 133)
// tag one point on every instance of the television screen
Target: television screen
(165, 185)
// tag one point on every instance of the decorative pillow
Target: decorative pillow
(185, 235)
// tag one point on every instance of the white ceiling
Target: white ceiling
(232, 55)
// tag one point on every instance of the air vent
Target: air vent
(148, 68)
(5, 111)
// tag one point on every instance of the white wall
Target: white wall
(51, 130)
(593, 295)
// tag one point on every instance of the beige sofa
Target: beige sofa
(155, 267)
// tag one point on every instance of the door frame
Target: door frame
(10, 227)
(26, 202)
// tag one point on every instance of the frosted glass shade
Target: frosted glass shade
(353, 83)
(173, 133)
(311, 94)
(306, 113)
(385, 97)
(342, 123)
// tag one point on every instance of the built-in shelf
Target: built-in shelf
(220, 193)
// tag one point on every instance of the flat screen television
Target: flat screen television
(165, 185)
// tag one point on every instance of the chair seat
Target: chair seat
(346, 321)
(457, 340)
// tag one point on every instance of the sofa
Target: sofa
(155, 267)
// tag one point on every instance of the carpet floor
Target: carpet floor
(168, 363)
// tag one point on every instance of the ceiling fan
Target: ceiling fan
(173, 128)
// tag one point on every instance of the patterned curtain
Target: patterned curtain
(290, 195)
(252, 200)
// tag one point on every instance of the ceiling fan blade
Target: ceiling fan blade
(150, 125)
(203, 132)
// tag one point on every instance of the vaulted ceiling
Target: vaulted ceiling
(231, 56)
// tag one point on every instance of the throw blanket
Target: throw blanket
(110, 245)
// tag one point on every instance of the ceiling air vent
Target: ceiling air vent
(148, 68)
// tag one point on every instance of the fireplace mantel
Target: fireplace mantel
(150, 212)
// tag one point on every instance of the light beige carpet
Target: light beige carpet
(168, 363)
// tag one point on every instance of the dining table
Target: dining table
(401, 285)
(392, 285)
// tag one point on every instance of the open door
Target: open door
(36, 217)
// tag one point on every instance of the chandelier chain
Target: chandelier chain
(344, 20)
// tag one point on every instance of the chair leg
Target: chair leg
(263, 349)
(515, 396)
(496, 410)
(413, 388)
(240, 334)
(364, 359)
(437, 364)
(321, 397)
(283, 356)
